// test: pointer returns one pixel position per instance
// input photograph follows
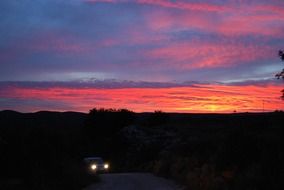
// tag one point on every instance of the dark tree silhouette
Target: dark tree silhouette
(281, 74)
(281, 55)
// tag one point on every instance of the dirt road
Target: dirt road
(132, 181)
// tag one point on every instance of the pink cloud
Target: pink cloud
(199, 54)
(235, 23)
(230, 19)
(169, 4)
(227, 19)
(185, 5)
(258, 20)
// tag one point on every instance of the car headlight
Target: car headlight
(93, 166)
(106, 166)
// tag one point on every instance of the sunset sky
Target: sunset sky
(143, 55)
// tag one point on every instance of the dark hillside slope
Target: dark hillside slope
(220, 151)
(40, 150)
(202, 151)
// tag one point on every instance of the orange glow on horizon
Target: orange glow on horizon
(198, 99)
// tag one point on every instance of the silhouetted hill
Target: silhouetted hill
(77, 119)
(52, 119)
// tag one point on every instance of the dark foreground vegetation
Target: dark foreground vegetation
(44, 150)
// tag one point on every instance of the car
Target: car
(96, 165)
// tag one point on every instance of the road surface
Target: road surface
(132, 181)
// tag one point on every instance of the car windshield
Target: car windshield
(94, 159)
